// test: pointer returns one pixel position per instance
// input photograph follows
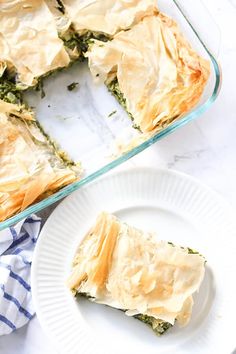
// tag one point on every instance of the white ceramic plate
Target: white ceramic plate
(181, 210)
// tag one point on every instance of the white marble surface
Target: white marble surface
(205, 148)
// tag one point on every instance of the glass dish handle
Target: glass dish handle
(203, 21)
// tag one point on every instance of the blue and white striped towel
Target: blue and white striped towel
(16, 249)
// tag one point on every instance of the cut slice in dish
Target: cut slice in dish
(30, 166)
(152, 70)
(131, 270)
(29, 41)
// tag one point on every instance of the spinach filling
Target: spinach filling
(9, 91)
(80, 43)
(158, 326)
(114, 88)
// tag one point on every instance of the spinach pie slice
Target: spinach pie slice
(31, 167)
(131, 270)
(152, 70)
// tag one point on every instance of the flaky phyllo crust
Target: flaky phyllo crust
(128, 269)
(159, 74)
(30, 167)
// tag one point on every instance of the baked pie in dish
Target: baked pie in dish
(131, 270)
(138, 52)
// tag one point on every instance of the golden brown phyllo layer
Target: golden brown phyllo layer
(132, 270)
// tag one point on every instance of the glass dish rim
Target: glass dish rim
(65, 191)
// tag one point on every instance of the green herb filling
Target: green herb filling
(158, 326)
(114, 88)
(9, 92)
(81, 43)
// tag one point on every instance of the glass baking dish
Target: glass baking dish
(87, 122)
